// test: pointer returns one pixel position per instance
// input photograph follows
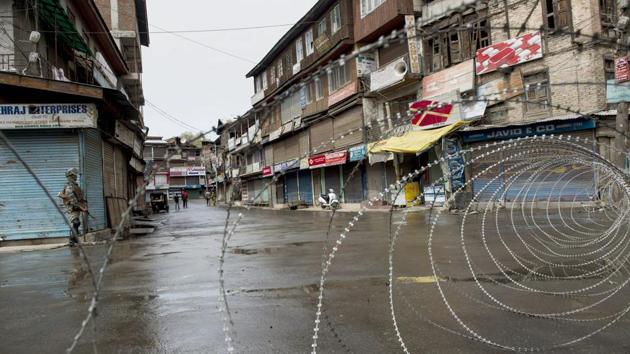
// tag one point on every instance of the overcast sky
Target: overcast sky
(196, 84)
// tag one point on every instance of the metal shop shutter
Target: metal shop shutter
(109, 185)
(321, 133)
(292, 147)
(251, 191)
(353, 188)
(279, 154)
(291, 187)
(305, 186)
(304, 144)
(485, 180)
(349, 120)
(262, 185)
(268, 155)
(93, 178)
(25, 210)
(332, 179)
(122, 181)
(565, 183)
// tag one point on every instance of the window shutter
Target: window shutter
(321, 132)
(349, 120)
(562, 11)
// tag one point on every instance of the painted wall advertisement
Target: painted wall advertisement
(512, 52)
(622, 69)
(47, 116)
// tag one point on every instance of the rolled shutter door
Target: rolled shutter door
(26, 212)
(93, 182)
(320, 135)
(485, 186)
(332, 179)
(292, 148)
(306, 186)
(109, 185)
(351, 120)
(291, 186)
(353, 187)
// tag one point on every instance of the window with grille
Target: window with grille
(557, 14)
(537, 92)
(609, 74)
(608, 15)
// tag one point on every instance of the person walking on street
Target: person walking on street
(176, 199)
(75, 203)
(207, 196)
(185, 198)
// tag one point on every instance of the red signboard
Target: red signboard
(512, 52)
(622, 70)
(433, 114)
(332, 159)
(267, 171)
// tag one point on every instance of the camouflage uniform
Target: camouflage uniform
(74, 202)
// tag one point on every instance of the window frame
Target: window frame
(264, 80)
(368, 6)
(529, 102)
(319, 88)
(554, 13)
(335, 19)
(309, 42)
(299, 50)
(321, 31)
(335, 81)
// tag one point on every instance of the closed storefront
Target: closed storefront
(332, 179)
(257, 194)
(305, 186)
(505, 179)
(115, 181)
(291, 194)
(353, 183)
(92, 183)
(26, 212)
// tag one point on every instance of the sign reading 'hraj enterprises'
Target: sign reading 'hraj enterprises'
(47, 116)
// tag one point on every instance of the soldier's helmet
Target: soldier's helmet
(72, 172)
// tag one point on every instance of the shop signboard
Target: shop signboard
(616, 93)
(187, 171)
(357, 153)
(48, 116)
(436, 113)
(459, 77)
(550, 127)
(267, 171)
(326, 160)
(622, 69)
(366, 63)
(508, 53)
(287, 165)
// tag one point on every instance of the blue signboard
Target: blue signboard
(357, 153)
(288, 165)
(551, 127)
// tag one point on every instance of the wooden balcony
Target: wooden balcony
(382, 20)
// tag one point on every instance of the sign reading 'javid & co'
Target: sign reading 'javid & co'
(47, 116)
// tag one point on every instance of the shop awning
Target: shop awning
(414, 141)
(51, 12)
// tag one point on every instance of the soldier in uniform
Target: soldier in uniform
(75, 203)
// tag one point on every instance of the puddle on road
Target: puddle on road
(268, 250)
(160, 254)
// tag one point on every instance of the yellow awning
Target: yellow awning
(413, 141)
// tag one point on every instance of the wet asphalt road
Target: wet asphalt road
(161, 292)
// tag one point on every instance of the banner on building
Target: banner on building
(187, 171)
(287, 165)
(460, 77)
(622, 69)
(512, 52)
(326, 160)
(48, 116)
(267, 171)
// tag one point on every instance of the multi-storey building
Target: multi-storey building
(504, 68)
(66, 102)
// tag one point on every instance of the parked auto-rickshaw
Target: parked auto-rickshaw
(159, 202)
